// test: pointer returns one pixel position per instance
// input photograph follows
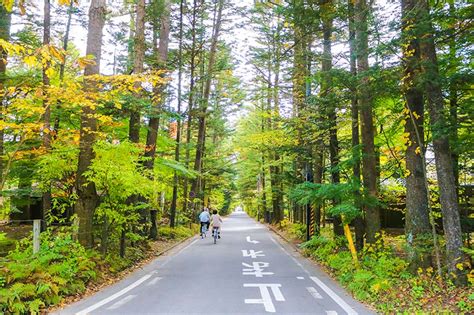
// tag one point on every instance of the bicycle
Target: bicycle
(215, 234)
(203, 230)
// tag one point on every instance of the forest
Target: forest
(345, 125)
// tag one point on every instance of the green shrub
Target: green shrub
(178, 232)
(29, 282)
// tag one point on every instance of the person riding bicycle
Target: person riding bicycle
(205, 218)
(216, 223)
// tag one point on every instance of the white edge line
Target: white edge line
(334, 296)
(114, 296)
(123, 301)
(291, 256)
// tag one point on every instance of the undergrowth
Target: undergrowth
(62, 267)
(30, 282)
(383, 279)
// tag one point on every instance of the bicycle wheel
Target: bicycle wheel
(215, 235)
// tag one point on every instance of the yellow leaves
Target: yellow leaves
(30, 61)
(418, 150)
(416, 115)
(64, 2)
(8, 4)
(58, 54)
(50, 72)
(85, 61)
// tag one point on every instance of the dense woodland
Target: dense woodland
(346, 120)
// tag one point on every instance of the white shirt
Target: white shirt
(204, 216)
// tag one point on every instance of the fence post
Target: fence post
(36, 235)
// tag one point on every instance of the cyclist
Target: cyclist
(216, 223)
(205, 219)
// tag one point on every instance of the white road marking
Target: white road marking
(114, 296)
(266, 299)
(252, 253)
(250, 241)
(256, 269)
(334, 296)
(331, 313)
(121, 302)
(314, 292)
(154, 281)
(300, 278)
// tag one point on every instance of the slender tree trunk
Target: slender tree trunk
(442, 150)
(453, 98)
(138, 60)
(330, 108)
(190, 100)
(196, 188)
(162, 56)
(5, 23)
(47, 135)
(318, 179)
(178, 133)
(358, 221)
(417, 225)
(86, 191)
(62, 67)
(369, 171)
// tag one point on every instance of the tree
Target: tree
(369, 172)
(86, 191)
(5, 23)
(417, 225)
(196, 187)
(178, 127)
(441, 146)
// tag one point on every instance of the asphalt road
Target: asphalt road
(249, 271)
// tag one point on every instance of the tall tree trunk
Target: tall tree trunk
(358, 221)
(62, 67)
(47, 136)
(161, 54)
(196, 187)
(369, 171)
(327, 8)
(453, 97)
(417, 225)
(138, 60)
(440, 134)
(162, 59)
(86, 191)
(178, 133)
(5, 23)
(191, 99)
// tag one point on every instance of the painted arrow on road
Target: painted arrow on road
(250, 241)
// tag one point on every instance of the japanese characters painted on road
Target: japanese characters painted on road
(256, 269)
(251, 241)
(252, 253)
(266, 298)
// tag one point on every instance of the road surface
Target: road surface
(248, 271)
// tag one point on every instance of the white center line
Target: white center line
(331, 313)
(300, 278)
(314, 292)
(334, 296)
(121, 302)
(114, 296)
